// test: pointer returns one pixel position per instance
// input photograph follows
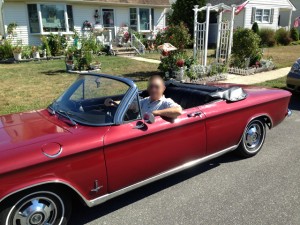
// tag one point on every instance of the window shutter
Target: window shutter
(272, 16)
(253, 15)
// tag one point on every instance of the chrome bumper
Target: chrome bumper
(289, 113)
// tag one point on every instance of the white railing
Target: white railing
(137, 44)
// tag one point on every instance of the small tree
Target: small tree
(255, 28)
(177, 35)
(245, 46)
(183, 12)
(295, 34)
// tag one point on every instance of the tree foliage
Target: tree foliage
(255, 28)
(295, 34)
(183, 12)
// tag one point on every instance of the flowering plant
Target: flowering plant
(87, 25)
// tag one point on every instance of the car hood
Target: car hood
(27, 128)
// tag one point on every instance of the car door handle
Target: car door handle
(195, 114)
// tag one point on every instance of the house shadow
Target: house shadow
(82, 215)
(54, 72)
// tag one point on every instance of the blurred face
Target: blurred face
(156, 88)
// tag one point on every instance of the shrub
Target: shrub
(255, 28)
(282, 37)
(295, 34)
(267, 37)
(177, 35)
(183, 12)
(245, 46)
(6, 50)
(54, 44)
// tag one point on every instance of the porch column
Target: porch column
(195, 29)
(290, 19)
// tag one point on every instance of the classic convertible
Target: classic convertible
(92, 143)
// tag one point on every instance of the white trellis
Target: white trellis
(225, 33)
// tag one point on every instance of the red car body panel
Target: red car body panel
(119, 156)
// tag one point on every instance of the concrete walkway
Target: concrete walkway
(258, 77)
(137, 58)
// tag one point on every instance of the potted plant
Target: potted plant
(35, 52)
(17, 50)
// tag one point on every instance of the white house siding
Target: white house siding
(17, 12)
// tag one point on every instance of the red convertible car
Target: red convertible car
(82, 147)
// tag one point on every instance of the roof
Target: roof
(226, 2)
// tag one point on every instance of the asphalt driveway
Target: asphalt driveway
(261, 190)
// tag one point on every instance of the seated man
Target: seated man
(156, 103)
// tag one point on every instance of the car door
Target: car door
(133, 155)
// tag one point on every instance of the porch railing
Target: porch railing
(137, 44)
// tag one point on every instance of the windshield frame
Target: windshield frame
(121, 110)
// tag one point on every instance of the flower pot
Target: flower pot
(69, 67)
(36, 55)
(18, 56)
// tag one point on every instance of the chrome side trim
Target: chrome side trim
(109, 196)
(185, 166)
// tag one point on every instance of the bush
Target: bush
(54, 44)
(267, 37)
(282, 37)
(6, 50)
(177, 35)
(245, 46)
(183, 12)
(295, 34)
(255, 28)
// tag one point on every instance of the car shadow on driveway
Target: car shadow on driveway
(295, 102)
(82, 215)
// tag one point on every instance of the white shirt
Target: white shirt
(162, 103)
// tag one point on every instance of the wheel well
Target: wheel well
(55, 187)
(267, 120)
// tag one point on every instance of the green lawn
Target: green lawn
(33, 85)
(278, 83)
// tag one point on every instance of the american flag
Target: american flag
(297, 22)
(240, 8)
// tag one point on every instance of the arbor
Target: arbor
(183, 12)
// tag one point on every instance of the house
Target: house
(285, 16)
(42, 17)
(265, 12)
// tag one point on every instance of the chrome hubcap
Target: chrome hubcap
(253, 137)
(36, 211)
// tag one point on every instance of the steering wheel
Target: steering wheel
(111, 103)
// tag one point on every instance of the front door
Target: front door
(133, 155)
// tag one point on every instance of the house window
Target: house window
(108, 17)
(263, 15)
(53, 18)
(33, 17)
(141, 19)
(133, 18)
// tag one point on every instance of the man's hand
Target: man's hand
(172, 113)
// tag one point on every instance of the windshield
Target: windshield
(91, 100)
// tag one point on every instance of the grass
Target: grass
(277, 83)
(33, 85)
(283, 56)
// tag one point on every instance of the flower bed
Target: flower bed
(265, 65)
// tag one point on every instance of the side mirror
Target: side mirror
(149, 118)
(97, 81)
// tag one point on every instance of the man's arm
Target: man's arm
(172, 112)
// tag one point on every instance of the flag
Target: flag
(240, 8)
(297, 22)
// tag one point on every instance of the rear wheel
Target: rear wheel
(36, 208)
(253, 139)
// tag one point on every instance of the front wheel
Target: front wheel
(253, 139)
(36, 208)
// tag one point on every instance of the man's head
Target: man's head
(156, 87)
